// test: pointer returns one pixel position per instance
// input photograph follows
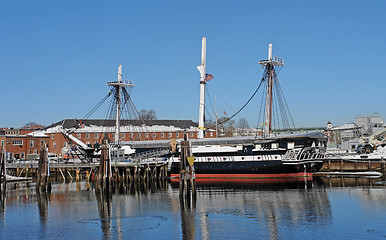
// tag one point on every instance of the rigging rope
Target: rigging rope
(70, 131)
(242, 106)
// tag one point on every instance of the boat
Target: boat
(266, 155)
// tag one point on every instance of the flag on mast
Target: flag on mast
(208, 77)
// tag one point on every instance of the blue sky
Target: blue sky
(57, 56)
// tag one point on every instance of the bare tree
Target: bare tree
(242, 125)
(210, 124)
(32, 125)
(226, 126)
(147, 115)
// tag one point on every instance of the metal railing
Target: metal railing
(307, 154)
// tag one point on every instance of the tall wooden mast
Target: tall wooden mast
(269, 65)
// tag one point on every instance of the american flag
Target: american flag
(208, 77)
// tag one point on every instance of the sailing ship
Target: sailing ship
(264, 156)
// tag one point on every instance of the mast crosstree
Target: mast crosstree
(118, 86)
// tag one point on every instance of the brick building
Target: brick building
(19, 144)
(91, 132)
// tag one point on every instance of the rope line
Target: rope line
(242, 106)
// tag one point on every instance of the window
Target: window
(35, 151)
(211, 134)
(154, 135)
(87, 135)
(139, 135)
(170, 135)
(31, 143)
(52, 136)
(22, 155)
(146, 135)
(123, 135)
(79, 135)
(65, 144)
(191, 134)
(54, 144)
(131, 135)
(162, 135)
(2, 142)
(96, 135)
(17, 142)
(177, 134)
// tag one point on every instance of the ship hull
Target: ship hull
(248, 170)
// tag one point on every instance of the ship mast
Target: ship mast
(118, 85)
(202, 69)
(269, 65)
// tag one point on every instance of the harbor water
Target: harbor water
(321, 208)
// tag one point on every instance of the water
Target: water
(320, 209)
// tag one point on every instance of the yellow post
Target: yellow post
(77, 175)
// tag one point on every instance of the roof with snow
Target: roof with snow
(103, 125)
(70, 123)
(346, 126)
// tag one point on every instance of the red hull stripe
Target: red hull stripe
(281, 175)
(245, 177)
(246, 180)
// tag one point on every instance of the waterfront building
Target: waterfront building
(348, 136)
(19, 144)
(92, 131)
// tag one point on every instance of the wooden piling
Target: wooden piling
(187, 176)
(105, 174)
(3, 176)
(77, 176)
(69, 174)
(43, 176)
(64, 178)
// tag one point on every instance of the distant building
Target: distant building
(348, 136)
(369, 125)
(19, 145)
(92, 131)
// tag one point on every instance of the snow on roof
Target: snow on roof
(37, 134)
(347, 126)
(91, 126)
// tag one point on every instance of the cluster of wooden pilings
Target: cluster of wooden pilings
(3, 176)
(43, 182)
(111, 176)
(187, 186)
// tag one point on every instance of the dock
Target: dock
(89, 171)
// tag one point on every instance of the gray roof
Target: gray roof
(70, 123)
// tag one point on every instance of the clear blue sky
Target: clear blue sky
(56, 56)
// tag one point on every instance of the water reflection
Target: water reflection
(334, 182)
(188, 222)
(42, 201)
(222, 210)
(104, 197)
(250, 210)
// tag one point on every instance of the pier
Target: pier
(336, 164)
(88, 171)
